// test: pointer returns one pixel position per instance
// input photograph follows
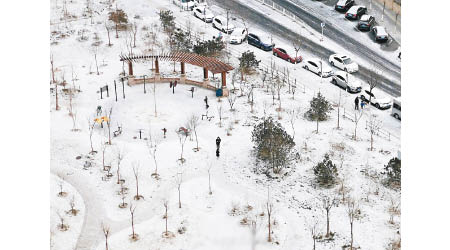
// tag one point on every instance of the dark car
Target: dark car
(355, 12)
(366, 22)
(257, 42)
(380, 34)
(344, 5)
(281, 53)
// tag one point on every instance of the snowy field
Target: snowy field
(223, 218)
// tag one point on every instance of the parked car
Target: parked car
(355, 12)
(281, 53)
(220, 23)
(344, 5)
(346, 81)
(185, 4)
(343, 62)
(366, 22)
(256, 41)
(198, 3)
(238, 35)
(204, 14)
(380, 34)
(376, 98)
(317, 66)
(397, 108)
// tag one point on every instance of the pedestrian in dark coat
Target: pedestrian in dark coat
(206, 100)
(164, 131)
(218, 140)
(356, 103)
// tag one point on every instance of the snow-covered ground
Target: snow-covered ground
(208, 220)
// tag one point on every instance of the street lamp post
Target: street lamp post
(322, 25)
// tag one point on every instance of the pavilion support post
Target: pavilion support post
(183, 74)
(205, 78)
(130, 68)
(224, 84)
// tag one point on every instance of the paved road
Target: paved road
(266, 23)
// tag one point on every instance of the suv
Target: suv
(366, 22)
(344, 5)
(380, 34)
(376, 99)
(257, 42)
(355, 12)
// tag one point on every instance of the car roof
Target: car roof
(355, 8)
(365, 17)
(381, 30)
(341, 56)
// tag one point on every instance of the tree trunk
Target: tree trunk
(179, 197)
(317, 129)
(328, 224)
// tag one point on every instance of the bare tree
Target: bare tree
(328, 203)
(182, 136)
(53, 69)
(108, 29)
(152, 149)
(122, 193)
(73, 210)
(91, 132)
(193, 124)
(136, 176)
(220, 112)
(62, 219)
(297, 45)
(374, 81)
(108, 123)
(179, 180)
(103, 147)
(293, 116)
(95, 57)
(61, 192)
(106, 231)
(373, 126)
(269, 208)
(313, 230)
(120, 154)
(352, 210)
(134, 29)
(231, 98)
(357, 117)
(56, 96)
(134, 236)
(209, 177)
(166, 207)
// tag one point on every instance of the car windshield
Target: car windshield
(347, 61)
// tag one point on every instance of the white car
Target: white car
(376, 98)
(238, 35)
(319, 67)
(220, 23)
(204, 14)
(346, 81)
(380, 34)
(185, 4)
(343, 62)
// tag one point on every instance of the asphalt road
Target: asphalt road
(266, 23)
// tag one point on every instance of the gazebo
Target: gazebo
(207, 63)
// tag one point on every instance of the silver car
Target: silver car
(346, 81)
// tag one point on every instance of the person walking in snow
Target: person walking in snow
(217, 153)
(356, 103)
(164, 131)
(218, 140)
(362, 104)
